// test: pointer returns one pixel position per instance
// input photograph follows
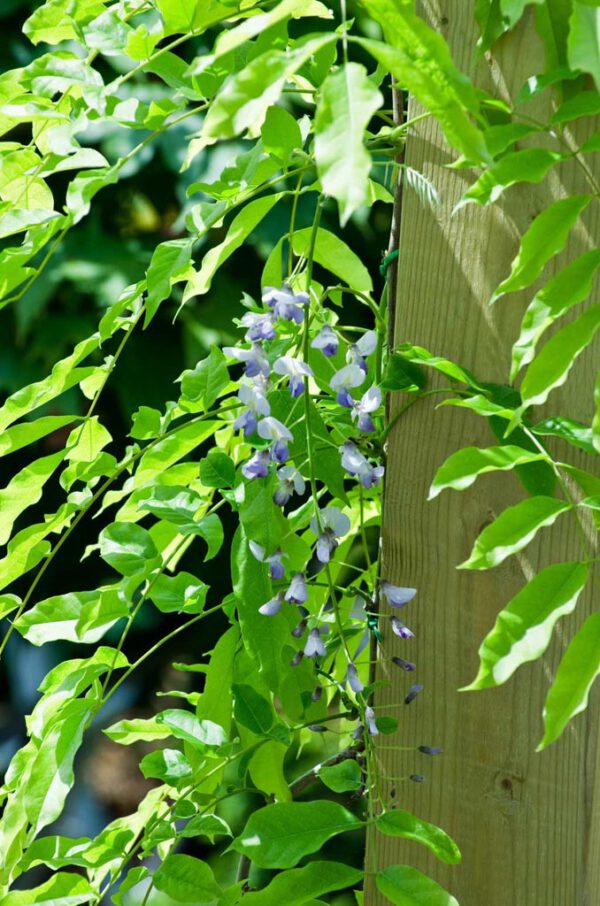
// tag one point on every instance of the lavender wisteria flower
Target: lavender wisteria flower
(273, 606)
(274, 560)
(353, 679)
(260, 325)
(257, 466)
(289, 482)
(297, 592)
(254, 398)
(315, 646)
(404, 665)
(359, 466)
(400, 629)
(333, 525)
(361, 411)
(364, 347)
(286, 304)
(255, 359)
(296, 370)
(326, 340)
(343, 381)
(413, 692)
(272, 429)
(396, 595)
(370, 721)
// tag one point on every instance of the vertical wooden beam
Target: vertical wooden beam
(528, 825)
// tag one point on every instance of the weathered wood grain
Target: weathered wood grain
(528, 825)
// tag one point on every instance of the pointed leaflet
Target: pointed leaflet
(545, 238)
(347, 101)
(583, 45)
(297, 886)
(551, 367)
(400, 823)
(513, 530)
(569, 287)
(186, 879)
(332, 253)
(524, 627)
(64, 888)
(596, 419)
(24, 490)
(170, 263)
(246, 96)
(279, 835)
(528, 165)
(405, 886)
(419, 59)
(462, 468)
(568, 694)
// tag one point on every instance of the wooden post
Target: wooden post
(528, 824)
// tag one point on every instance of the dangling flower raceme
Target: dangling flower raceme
(395, 595)
(289, 482)
(275, 560)
(254, 398)
(255, 360)
(315, 646)
(334, 525)
(361, 411)
(273, 606)
(364, 347)
(326, 340)
(272, 429)
(260, 326)
(343, 381)
(297, 592)
(359, 466)
(286, 305)
(296, 370)
(257, 466)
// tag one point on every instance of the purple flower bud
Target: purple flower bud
(299, 630)
(396, 595)
(353, 679)
(246, 422)
(370, 721)
(314, 646)
(257, 466)
(318, 728)
(416, 778)
(404, 665)
(412, 693)
(297, 659)
(279, 451)
(429, 750)
(273, 606)
(327, 341)
(317, 694)
(297, 593)
(400, 629)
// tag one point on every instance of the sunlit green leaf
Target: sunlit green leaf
(343, 777)
(400, 823)
(205, 382)
(24, 490)
(64, 888)
(462, 468)
(170, 264)
(186, 726)
(529, 165)
(148, 729)
(583, 45)
(336, 256)
(217, 470)
(186, 880)
(128, 548)
(297, 886)
(405, 886)
(168, 765)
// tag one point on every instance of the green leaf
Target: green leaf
(347, 101)
(420, 60)
(182, 593)
(279, 835)
(583, 44)
(545, 238)
(168, 765)
(344, 777)
(523, 629)
(24, 490)
(63, 889)
(85, 442)
(551, 367)
(251, 710)
(587, 103)
(217, 470)
(530, 165)
(266, 768)
(139, 729)
(186, 726)
(186, 880)
(334, 255)
(280, 134)
(29, 432)
(58, 20)
(461, 469)
(188, 15)
(211, 529)
(239, 229)
(399, 823)
(170, 264)
(128, 548)
(206, 381)
(83, 616)
(405, 886)
(422, 356)
(569, 287)
(297, 886)
(596, 419)
(402, 374)
(513, 530)
(573, 432)
(246, 95)
(568, 694)
(210, 826)
(173, 502)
